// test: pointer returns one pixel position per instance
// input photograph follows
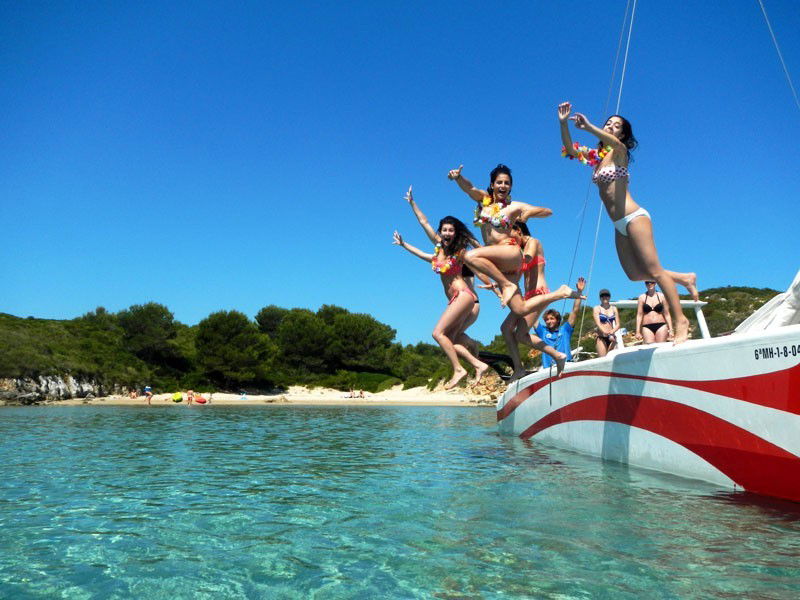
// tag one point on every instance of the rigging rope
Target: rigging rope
(780, 56)
(589, 185)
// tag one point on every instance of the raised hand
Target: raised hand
(409, 196)
(580, 285)
(581, 122)
(564, 110)
(455, 173)
(397, 239)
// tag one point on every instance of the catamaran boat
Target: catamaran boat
(724, 410)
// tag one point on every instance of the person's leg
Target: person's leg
(494, 261)
(640, 243)
(602, 346)
(447, 329)
(662, 334)
(538, 303)
(509, 331)
(648, 337)
(687, 280)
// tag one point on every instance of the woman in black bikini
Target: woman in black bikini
(653, 321)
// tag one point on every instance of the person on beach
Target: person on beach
(501, 256)
(189, 397)
(634, 229)
(653, 320)
(446, 260)
(515, 328)
(557, 334)
(148, 394)
(606, 318)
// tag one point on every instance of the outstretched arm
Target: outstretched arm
(564, 110)
(398, 241)
(423, 220)
(581, 122)
(527, 211)
(579, 286)
(466, 185)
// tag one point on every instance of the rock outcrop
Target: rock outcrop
(27, 390)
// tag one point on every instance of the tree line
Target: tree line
(145, 345)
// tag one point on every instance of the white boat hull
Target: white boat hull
(723, 410)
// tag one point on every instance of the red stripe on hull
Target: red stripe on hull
(766, 389)
(752, 462)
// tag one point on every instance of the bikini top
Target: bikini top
(530, 264)
(443, 264)
(659, 308)
(491, 214)
(604, 318)
(609, 174)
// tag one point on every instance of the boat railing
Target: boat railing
(697, 305)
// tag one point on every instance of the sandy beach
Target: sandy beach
(301, 395)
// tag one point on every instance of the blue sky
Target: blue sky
(216, 156)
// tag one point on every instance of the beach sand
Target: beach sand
(300, 395)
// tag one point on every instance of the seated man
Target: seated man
(557, 334)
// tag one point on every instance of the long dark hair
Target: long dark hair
(629, 140)
(460, 239)
(498, 170)
(523, 227)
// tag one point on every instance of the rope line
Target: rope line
(589, 185)
(780, 56)
(625, 63)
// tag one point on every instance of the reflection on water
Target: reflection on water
(289, 502)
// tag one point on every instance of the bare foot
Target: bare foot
(692, 287)
(508, 293)
(480, 372)
(564, 291)
(681, 331)
(457, 376)
(561, 362)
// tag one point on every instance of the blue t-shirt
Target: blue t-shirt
(558, 339)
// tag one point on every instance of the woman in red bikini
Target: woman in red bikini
(515, 328)
(634, 230)
(495, 214)
(653, 321)
(447, 261)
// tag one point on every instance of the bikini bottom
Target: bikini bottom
(622, 224)
(467, 290)
(654, 327)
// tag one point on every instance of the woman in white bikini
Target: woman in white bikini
(634, 230)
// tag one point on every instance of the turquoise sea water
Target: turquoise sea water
(360, 502)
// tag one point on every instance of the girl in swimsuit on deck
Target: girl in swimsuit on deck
(606, 318)
(516, 329)
(447, 261)
(634, 230)
(653, 321)
(501, 255)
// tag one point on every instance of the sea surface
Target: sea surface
(359, 502)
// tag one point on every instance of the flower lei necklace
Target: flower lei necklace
(444, 266)
(489, 212)
(588, 156)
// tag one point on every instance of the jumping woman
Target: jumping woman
(516, 329)
(634, 229)
(447, 262)
(495, 214)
